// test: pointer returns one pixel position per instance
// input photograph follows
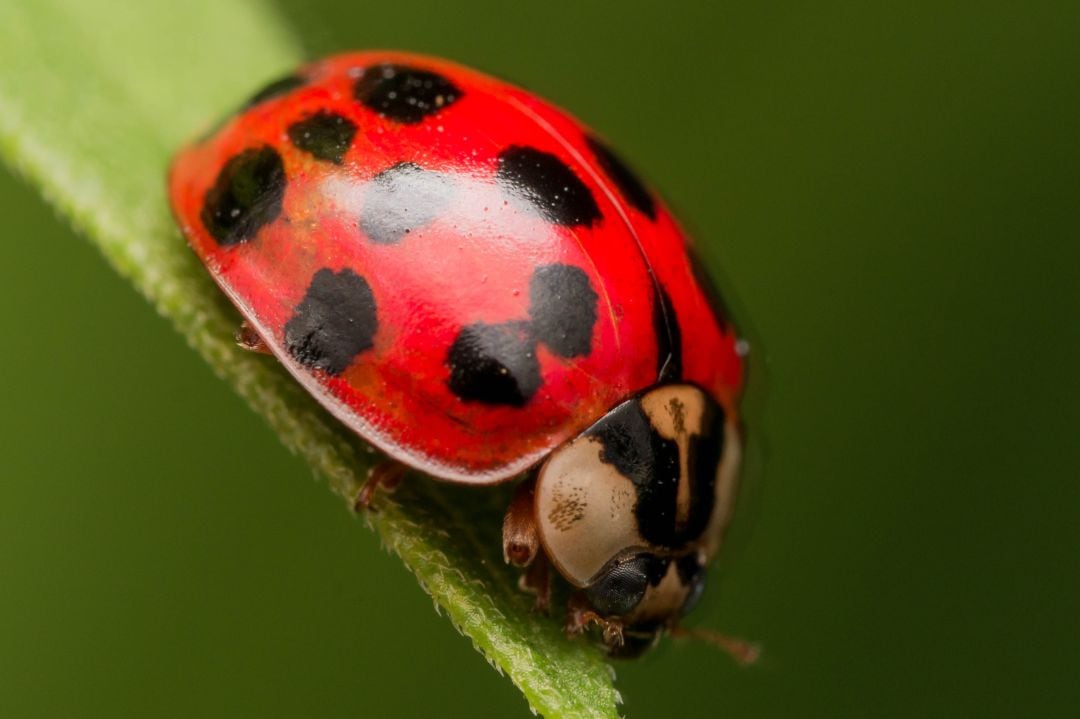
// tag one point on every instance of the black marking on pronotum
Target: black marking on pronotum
(494, 364)
(705, 452)
(324, 135)
(669, 351)
(402, 199)
(692, 576)
(632, 188)
(547, 185)
(562, 307)
(404, 94)
(277, 88)
(688, 568)
(632, 445)
(334, 322)
(246, 196)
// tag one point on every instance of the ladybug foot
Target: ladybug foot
(248, 339)
(385, 476)
(542, 606)
(579, 618)
(537, 580)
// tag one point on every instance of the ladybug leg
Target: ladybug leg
(537, 580)
(383, 477)
(521, 540)
(247, 338)
(580, 616)
(521, 545)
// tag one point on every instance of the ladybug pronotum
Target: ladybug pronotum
(476, 284)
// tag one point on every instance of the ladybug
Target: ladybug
(474, 282)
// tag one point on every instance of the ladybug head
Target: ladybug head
(648, 594)
(632, 509)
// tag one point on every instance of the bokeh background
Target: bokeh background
(890, 192)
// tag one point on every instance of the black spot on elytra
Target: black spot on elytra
(550, 187)
(621, 584)
(334, 322)
(494, 364)
(325, 135)
(632, 445)
(497, 363)
(246, 196)
(562, 306)
(632, 188)
(404, 94)
(402, 199)
(669, 354)
(277, 88)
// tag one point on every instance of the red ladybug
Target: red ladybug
(473, 282)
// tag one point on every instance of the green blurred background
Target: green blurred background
(890, 190)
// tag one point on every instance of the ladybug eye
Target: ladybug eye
(621, 585)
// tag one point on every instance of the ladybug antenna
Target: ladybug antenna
(742, 651)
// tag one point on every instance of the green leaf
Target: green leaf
(94, 98)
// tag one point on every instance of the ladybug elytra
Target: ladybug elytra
(476, 284)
